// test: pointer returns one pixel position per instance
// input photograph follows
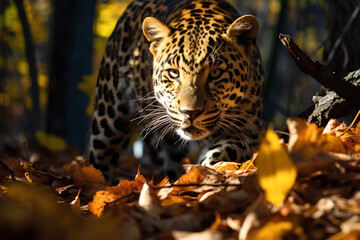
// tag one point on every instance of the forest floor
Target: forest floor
(306, 186)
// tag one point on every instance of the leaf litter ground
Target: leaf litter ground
(304, 188)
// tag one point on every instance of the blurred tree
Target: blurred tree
(70, 59)
(30, 56)
(342, 46)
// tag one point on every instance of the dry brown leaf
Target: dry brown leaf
(206, 194)
(85, 176)
(349, 136)
(194, 176)
(172, 199)
(14, 165)
(100, 199)
(38, 178)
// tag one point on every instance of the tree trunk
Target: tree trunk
(70, 60)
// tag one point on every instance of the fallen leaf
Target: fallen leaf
(306, 140)
(85, 176)
(271, 231)
(276, 171)
(224, 166)
(172, 199)
(247, 166)
(100, 199)
(97, 205)
(194, 176)
(150, 202)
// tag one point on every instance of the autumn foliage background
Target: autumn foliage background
(300, 184)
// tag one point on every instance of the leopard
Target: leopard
(179, 72)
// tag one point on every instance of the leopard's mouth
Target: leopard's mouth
(192, 133)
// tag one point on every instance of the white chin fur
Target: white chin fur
(187, 137)
(183, 135)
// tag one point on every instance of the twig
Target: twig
(24, 146)
(179, 185)
(352, 124)
(201, 184)
(122, 197)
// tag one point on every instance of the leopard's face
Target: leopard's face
(200, 71)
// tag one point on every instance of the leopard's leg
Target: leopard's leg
(167, 155)
(111, 126)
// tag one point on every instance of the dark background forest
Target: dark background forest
(50, 52)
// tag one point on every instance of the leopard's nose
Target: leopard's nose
(191, 114)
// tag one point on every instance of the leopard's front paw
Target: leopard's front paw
(214, 156)
(225, 153)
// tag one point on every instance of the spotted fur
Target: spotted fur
(179, 71)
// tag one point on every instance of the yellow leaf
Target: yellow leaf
(276, 171)
(50, 141)
(271, 231)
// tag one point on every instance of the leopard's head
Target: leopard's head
(200, 70)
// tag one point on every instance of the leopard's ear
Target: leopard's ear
(155, 31)
(243, 32)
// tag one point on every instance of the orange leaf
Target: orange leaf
(247, 166)
(224, 166)
(97, 205)
(172, 199)
(194, 176)
(84, 176)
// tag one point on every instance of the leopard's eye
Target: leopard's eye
(173, 73)
(215, 72)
